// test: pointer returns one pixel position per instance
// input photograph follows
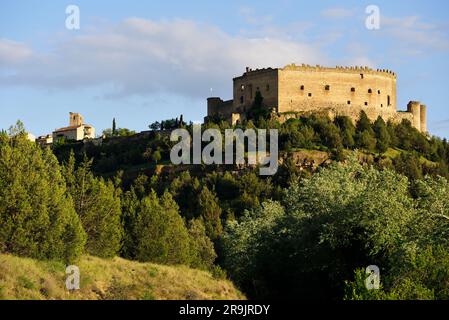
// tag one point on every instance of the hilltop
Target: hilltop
(117, 279)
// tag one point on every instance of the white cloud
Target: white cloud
(337, 13)
(415, 36)
(140, 56)
(12, 52)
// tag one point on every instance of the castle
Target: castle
(302, 89)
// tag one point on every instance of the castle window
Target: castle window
(241, 99)
(268, 87)
(327, 87)
(361, 76)
(310, 94)
(366, 103)
(370, 91)
(378, 91)
(381, 105)
(388, 101)
(302, 87)
(352, 89)
(349, 101)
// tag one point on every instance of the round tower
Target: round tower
(414, 107)
(423, 118)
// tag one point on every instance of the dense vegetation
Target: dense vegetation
(301, 233)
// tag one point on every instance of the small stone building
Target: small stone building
(77, 129)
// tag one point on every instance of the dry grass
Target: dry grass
(23, 278)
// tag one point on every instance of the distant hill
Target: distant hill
(117, 279)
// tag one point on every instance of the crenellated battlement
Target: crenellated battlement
(345, 90)
(346, 69)
(319, 68)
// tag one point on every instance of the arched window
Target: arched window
(370, 91)
(302, 87)
(327, 87)
(352, 89)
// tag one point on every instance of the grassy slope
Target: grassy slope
(23, 278)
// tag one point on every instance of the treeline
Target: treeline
(396, 146)
(60, 211)
(322, 133)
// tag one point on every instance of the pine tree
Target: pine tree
(382, 135)
(210, 213)
(347, 131)
(97, 203)
(202, 249)
(160, 233)
(37, 217)
(364, 124)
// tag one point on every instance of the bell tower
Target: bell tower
(76, 119)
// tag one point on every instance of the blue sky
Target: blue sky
(141, 61)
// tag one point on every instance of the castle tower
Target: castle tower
(414, 107)
(423, 118)
(295, 89)
(76, 119)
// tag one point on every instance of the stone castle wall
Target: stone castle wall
(335, 91)
(347, 91)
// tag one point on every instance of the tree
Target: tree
(37, 217)
(114, 128)
(210, 213)
(382, 135)
(156, 156)
(185, 190)
(347, 131)
(18, 129)
(160, 233)
(258, 109)
(97, 203)
(409, 165)
(364, 123)
(202, 248)
(366, 140)
(155, 126)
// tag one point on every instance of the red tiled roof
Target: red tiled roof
(69, 128)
